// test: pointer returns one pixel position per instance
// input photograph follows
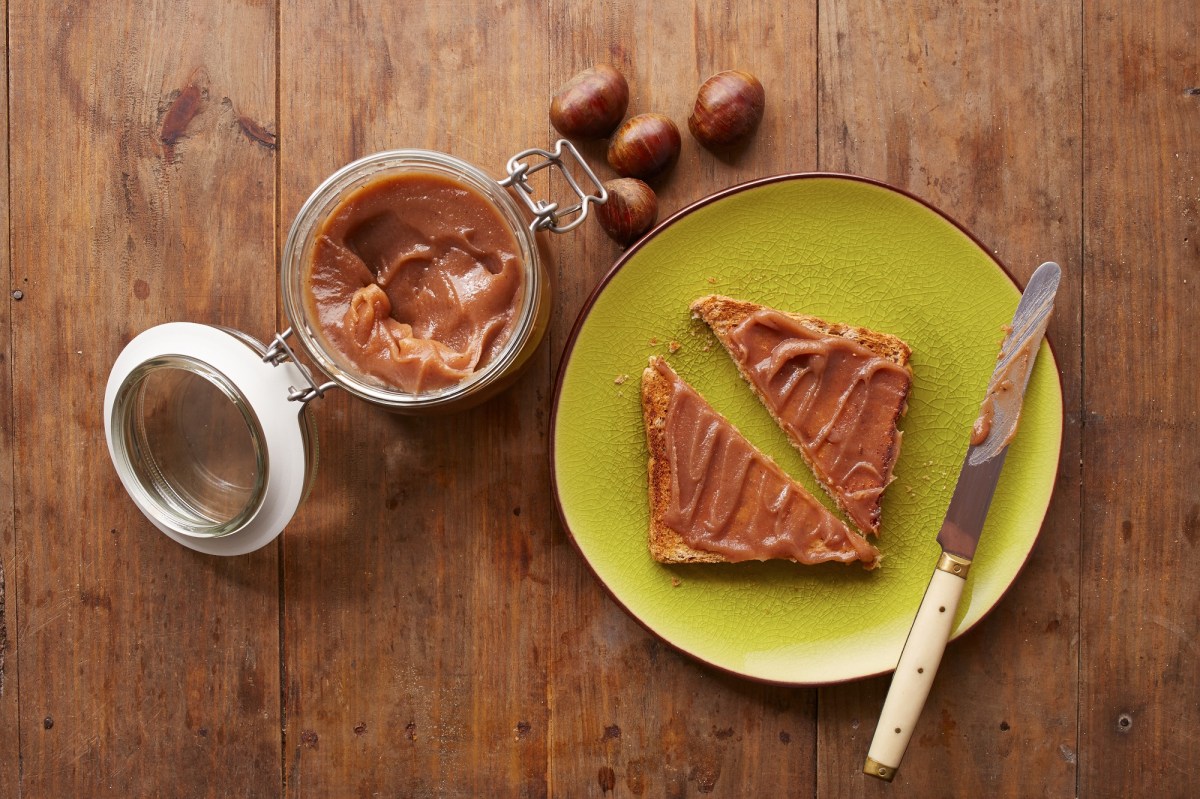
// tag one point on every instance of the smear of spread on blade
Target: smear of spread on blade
(1000, 412)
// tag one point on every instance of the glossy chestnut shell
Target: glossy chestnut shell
(631, 210)
(591, 104)
(644, 146)
(728, 108)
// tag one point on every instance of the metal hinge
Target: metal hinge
(279, 352)
(546, 215)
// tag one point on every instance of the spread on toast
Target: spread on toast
(714, 497)
(837, 391)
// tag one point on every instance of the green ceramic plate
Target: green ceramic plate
(848, 250)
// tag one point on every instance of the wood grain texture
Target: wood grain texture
(147, 669)
(9, 604)
(631, 717)
(417, 575)
(1140, 700)
(440, 635)
(977, 111)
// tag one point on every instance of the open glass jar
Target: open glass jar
(210, 430)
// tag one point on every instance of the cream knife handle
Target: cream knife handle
(918, 664)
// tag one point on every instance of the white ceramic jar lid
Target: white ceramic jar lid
(209, 438)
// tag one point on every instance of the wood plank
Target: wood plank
(1140, 698)
(631, 717)
(977, 111)
(11, 294)
(146, 669)
(417, 575)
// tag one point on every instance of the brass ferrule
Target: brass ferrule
(877, 769)
(953, 564)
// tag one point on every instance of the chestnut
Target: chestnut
(590, 104)
(631, 210)
(645, 146)
(729, 107)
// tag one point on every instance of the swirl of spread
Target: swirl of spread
(415, 279)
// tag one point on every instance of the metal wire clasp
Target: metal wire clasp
(547, 214)
(279, 352)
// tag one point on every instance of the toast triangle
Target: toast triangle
(777, 353)
(801, 528)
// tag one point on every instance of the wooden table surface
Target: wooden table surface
(424, 627)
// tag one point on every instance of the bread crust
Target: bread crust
(666, 545)
(723, 314)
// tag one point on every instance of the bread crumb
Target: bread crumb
(653, 342)
(712, 280)
(620, 380)
(674, 347)
(676, 582)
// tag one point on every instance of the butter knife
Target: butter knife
(993, 431)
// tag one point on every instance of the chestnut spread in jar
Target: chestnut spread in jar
(415, 279)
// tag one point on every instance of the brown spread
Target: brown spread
(1001, 398)
(416, 280)
(833, 396)
(729, 498)
(983, 425)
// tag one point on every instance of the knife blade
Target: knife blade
(991, 434)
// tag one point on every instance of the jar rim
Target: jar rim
(326, 197)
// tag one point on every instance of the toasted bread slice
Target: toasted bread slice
(715, 498)
(836, 390)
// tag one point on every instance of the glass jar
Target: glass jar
(210, 430)
(531, 315)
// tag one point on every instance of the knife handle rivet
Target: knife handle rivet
(942, 609)
(920, 671)
(897, 730)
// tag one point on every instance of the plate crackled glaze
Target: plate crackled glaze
(849, 250)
